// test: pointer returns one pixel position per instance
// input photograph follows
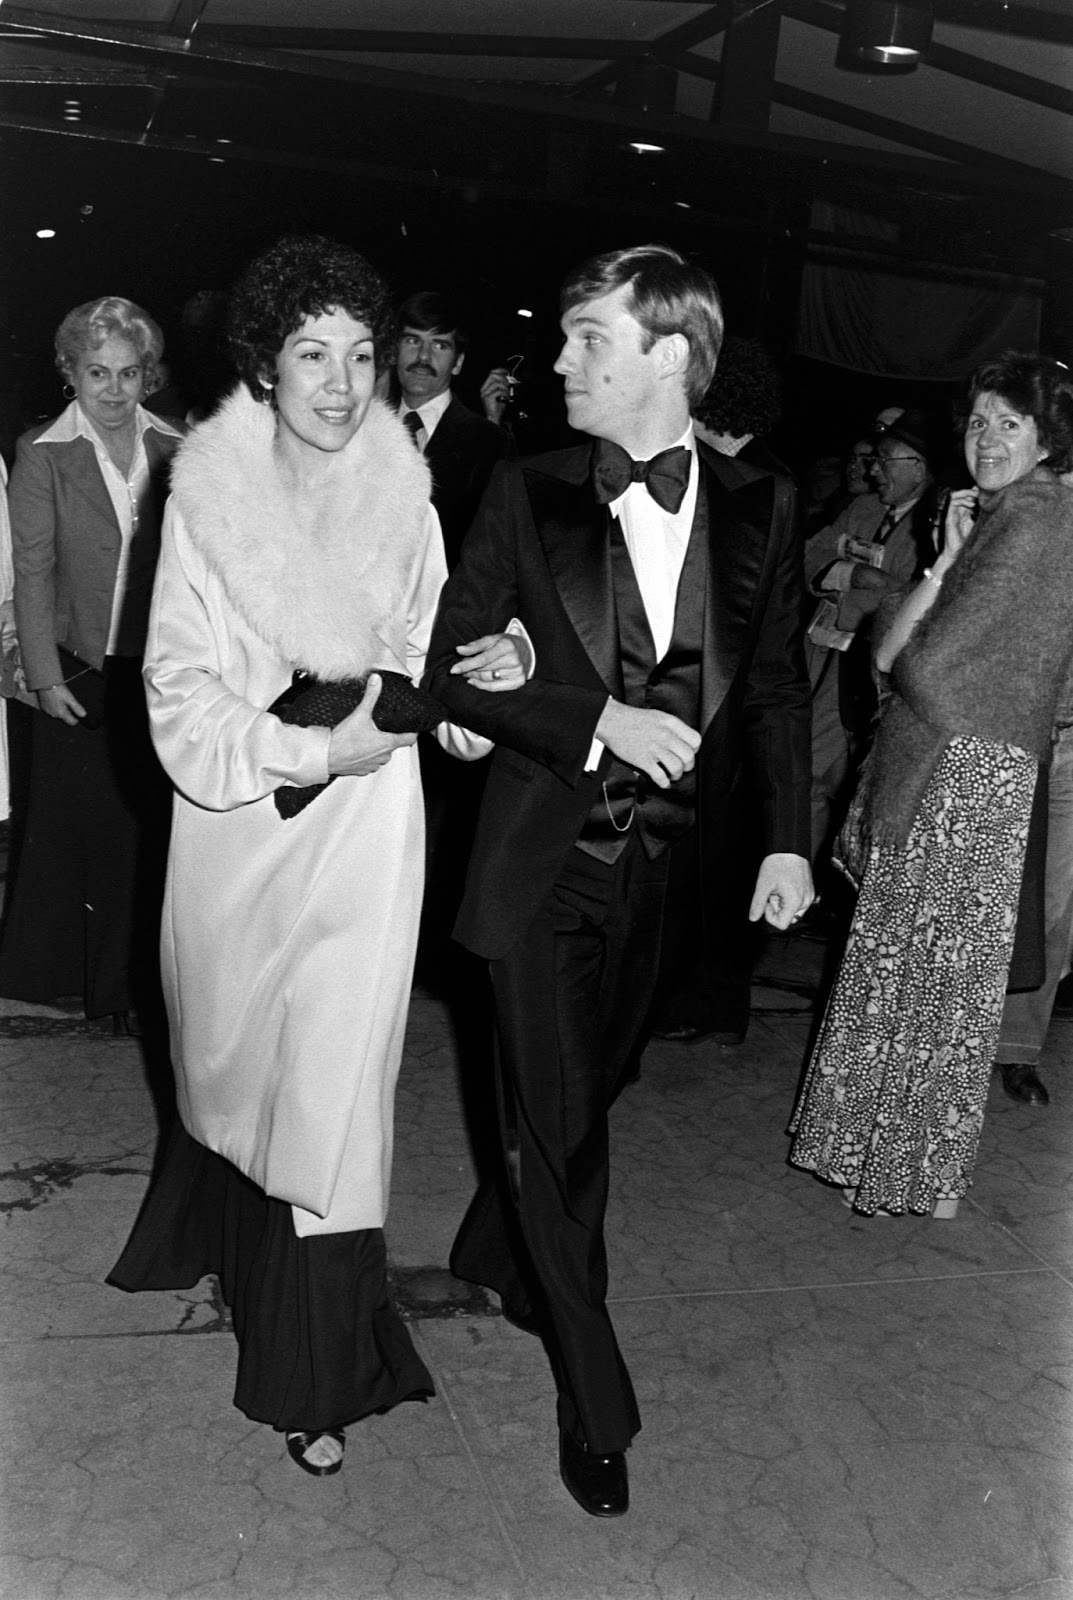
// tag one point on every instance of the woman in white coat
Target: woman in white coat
(299, 536)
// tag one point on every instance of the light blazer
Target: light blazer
(539, 550)
(461, 453)
(66, 543)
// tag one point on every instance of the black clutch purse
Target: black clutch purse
(312, 703)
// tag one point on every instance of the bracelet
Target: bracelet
(931, 578)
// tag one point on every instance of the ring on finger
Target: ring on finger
(496, 674)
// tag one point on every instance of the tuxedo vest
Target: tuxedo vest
(629, 800)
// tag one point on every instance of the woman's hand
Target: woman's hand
(958, 526)
(60, 703)
(495, 662)
(357, 746)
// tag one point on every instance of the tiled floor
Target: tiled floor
(834, 1408)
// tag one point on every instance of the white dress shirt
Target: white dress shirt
(130, 500)
(657, 541)
(430, 414)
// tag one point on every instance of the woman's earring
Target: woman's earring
(69, 391)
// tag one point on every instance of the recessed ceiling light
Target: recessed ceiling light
(46, 233)
(522, 312)
(641, 148)
(683, 205)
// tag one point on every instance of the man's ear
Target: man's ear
(457, 368)
(673, 355)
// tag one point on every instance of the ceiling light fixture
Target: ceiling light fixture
(46, 233)
(641, 147)
(886, 33)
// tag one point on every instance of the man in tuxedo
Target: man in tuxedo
(660, 587)
(460, 447)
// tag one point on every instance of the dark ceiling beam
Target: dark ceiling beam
(993, 75)
(70, 75)
(1004, 16)
(747, 65)
(978, 171)
(697, 30)
(934, 144)
(990, 16)
(385, 41)
(977, 69)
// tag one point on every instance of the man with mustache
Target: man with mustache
(460, 447)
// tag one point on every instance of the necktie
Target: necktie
(886, 527)
(665, 477)
(412, 419)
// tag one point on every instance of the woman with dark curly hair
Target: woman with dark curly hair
(299, 537)
(980, 657)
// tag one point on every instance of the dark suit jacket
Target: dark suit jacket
(461, 454)
(539, 550)
(65, 546)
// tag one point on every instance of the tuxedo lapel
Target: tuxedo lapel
(575, 534)
(738, 528)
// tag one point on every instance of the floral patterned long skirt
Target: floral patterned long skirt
(893, 1101)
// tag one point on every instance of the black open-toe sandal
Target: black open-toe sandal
(298, 1443)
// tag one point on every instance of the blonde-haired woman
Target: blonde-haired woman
(86, 498)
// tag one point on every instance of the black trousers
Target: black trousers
(84, 914)
(571, 1002)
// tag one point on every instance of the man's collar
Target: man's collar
(688, 439)
(904, 506)
(431, 410)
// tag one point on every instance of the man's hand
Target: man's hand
(866, 577)
(783, 890)
(495, 394)
(651, 741)
(357, 746)
(60, 703)
(495, 662)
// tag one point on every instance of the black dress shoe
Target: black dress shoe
(694, 1032)
(298, 1443)
(1021, 1083)
(598, 1483)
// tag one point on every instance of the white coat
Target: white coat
(287, 946)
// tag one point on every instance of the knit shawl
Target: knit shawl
(322, 577)
(991, 656)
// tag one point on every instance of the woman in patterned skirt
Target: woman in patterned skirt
(893, 1101)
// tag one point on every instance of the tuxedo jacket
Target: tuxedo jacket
(65, 546)
(539, 550)
(461, 453)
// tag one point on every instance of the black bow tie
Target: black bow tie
(666, 476)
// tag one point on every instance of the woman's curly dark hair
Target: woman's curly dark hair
(302, 276)
(1036, 386)
(745, 396)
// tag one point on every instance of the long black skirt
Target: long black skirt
(320, 1342)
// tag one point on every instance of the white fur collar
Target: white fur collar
(323, 581)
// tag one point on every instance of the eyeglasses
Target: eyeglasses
(885, 461)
